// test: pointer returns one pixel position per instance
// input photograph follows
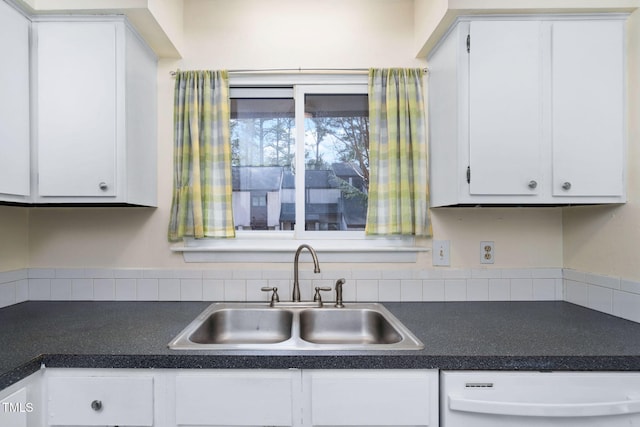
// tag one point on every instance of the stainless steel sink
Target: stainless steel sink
(256, 326)
(244, 326)
(347, 326)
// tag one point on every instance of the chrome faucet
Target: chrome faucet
(339, 284)
(316, 269)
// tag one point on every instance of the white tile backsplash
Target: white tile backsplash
(213, 290)
(235, 290)
(7, 294)
(545, 289)
(478, 289)
(148, 289)
(366, 290)
(61, 289)
(626, 305)
(499, 290)
(104, 289)
(169, 289)
(389, 290)
(600, 298)
(576, 292)
(191, 289)
(433, 290)
(39, 289)
(613, 295)
(455, 290)
(410, 290)
(82, 289)
(126, 289)
(521, 289)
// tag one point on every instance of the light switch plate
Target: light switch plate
(440, 253)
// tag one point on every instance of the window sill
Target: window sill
(283, 251)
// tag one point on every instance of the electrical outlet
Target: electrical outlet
(440, 253)
(487, 253)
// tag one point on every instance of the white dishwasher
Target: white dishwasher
(532, 399)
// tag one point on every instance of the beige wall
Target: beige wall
(14, 234)
(332, 33)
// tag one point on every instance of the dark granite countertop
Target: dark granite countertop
(457, 335)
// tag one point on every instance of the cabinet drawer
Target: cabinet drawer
(374, 398)
(100, 401)
(235, 398)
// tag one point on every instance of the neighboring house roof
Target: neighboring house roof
(288, 180)
(346, 169)
(317, 179)
(320, 179)
(248, 178)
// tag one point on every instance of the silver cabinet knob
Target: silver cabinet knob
(96, 405)
(533, 184)
(566, 186)
(103, 186)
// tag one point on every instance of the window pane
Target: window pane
(262, 143)
(336, 161)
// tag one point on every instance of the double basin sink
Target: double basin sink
(257, 326)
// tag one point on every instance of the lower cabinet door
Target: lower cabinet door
(100, 401)
(14, 409)
(373, 398)
(235, 398)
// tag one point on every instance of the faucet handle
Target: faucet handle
(274, 296)
(317, 297)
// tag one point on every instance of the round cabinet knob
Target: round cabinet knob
(566, 186)
(103, 186)
(533, 184)
(96, 405)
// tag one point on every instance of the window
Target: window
(314, 191)
(317, 187)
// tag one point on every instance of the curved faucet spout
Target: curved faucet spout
(316, 269)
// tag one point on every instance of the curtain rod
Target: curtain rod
(298, 70)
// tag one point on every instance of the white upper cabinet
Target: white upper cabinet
(528, 111)
(96, 113)
(77, 114)
(14, 105)
(588, 108)
(504, 107)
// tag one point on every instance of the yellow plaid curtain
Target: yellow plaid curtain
(202, 190)
(398, 189)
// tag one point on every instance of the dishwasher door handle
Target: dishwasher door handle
(523, 409)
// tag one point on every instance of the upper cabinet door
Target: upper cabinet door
(14, 103)
(588, 108)
(505, 102)
(77, 114)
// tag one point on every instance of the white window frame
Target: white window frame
(278, 245)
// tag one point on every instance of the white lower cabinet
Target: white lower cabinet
(371, 398)
(21, 403)
(99, 398)
(249, 397)
(236, 398)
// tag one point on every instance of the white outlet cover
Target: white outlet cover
(440, 253)
(487, 252)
